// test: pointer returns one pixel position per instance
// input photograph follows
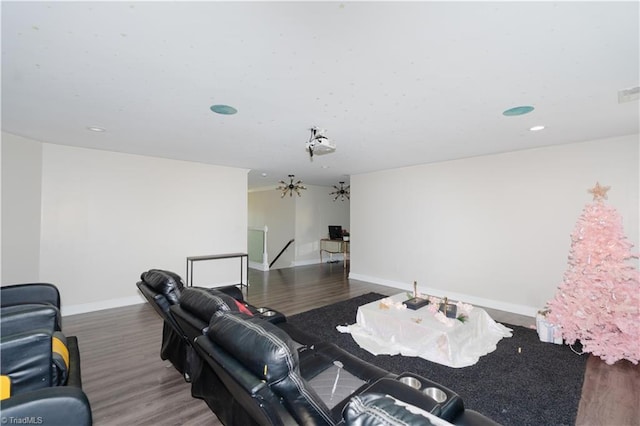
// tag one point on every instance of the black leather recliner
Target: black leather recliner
(253, 368)
(196, 307)
(309, 385)
(164, 289)
(40, 366)
(259, 362)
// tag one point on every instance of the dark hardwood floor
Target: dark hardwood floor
(128, 383)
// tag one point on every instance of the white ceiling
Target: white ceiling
(394, 84)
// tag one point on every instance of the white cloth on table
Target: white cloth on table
(407, 332)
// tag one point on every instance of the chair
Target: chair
(258, 361)
(196, 308)
(277, 381)
(164, 289)
(40, 367)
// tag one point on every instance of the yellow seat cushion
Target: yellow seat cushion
(58, 347)
(5, 387)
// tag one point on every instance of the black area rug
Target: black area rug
(540, 385)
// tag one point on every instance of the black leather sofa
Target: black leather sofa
(40, 365)
(163, 289)
(252, 368)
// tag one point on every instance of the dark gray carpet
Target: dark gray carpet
(539, 386)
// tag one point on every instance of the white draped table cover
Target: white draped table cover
(418, 333)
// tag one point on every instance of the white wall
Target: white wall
(304, 218)
(21, 193)
(315, 211)
(491, 230)
(106, 217)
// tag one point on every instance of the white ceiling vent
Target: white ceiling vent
(628, 95)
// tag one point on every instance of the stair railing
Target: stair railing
(281, 251)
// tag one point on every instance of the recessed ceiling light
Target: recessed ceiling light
(519, 110)
(96, 129)
(536, 128)
(223, 109)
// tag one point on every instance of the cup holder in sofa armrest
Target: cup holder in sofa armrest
(437, 394)
(406, 394)
(450, 402)
(270, 315)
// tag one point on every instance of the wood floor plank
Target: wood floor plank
(610, 394)
(128, 383)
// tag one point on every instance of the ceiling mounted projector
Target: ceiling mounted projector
(318, 143)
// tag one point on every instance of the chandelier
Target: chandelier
(290, 187)
(341, 192)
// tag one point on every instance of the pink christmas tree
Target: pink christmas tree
(598, 302)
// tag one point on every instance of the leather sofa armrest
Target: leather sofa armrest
(380, 409)
(190, 325)
(49, 406)
(251, 391)
(160, 304)
(297, 334)
(325, 353)
(451, 407)
(23, 318)
(75, 372)
(249, 382)
(404, 393)
(30, 293)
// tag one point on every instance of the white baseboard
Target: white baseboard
(336, 257)
(306, 262)
(529, 311)
(117, 303)
(479, 301)
(103, 304)
(258, 266)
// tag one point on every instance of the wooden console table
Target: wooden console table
(335, 246)
(244, 266)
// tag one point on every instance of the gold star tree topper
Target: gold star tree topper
(599, 192)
